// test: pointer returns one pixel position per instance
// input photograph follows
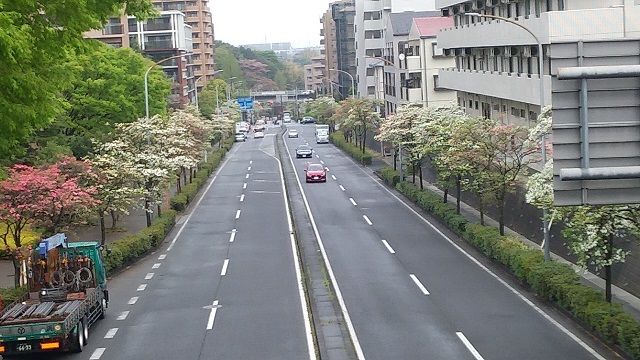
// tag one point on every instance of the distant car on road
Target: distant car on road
(258, 135)
(304, 151)
(240, 136)
(315, 173)
(308, 120)
(292, 133)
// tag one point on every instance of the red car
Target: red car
(316, 173)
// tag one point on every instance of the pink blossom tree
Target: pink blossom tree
(51, 197)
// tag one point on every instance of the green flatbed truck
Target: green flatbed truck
(67, 294)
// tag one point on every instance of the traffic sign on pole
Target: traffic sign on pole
(245, 103)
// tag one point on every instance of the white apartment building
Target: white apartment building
(421, 60)
(370, 26)
(496, 72)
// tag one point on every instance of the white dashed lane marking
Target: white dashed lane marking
(238, 214)
(366, 218)
(353, 202)
(233, 235)
(386, 244)
(149, 276)
(133, 300)
(162, 257)
(420, 286)
(242, 198)
(111, 333)
(334, 177)
(142, 287)
(123, 315)
(342, 188)
(156, 265)
(470, 347)
(97, 353)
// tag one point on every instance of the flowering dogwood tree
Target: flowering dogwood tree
(46, 197)
(358, 116)
(116, 186)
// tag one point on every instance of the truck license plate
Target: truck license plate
(24, 347)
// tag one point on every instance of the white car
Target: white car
(258, 135)
(240, 136)
(293, 133)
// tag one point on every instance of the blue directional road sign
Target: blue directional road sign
(245, 103)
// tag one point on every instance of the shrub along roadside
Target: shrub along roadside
(337, 138)
(129, 248)
(551, 281)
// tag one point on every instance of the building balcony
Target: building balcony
(193, 8)
(374, 43)
(413, 94)
(372, 6)
(499, 85)
(373, 24)
(113, 29)
(550, 27)
(412, 63)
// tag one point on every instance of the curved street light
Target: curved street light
(353, 83)
(146, 80)
(195, 83)
(543, 139)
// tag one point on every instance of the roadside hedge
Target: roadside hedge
(551, 281)
(337, 138)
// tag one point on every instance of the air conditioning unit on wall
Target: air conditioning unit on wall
(478, 4)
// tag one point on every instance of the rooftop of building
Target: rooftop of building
(429, 26)
(401, 22)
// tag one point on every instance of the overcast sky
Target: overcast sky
(241, 22)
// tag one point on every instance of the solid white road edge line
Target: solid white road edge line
(342, 188)
(97, 353)
(388, 246)
(467, 343)
(491, 273)
(327, 264)
(420, 286)
(353, 202)
(366, 218)
(296, 259)
(238, 214)
(111, 333)
(233, 235)
(212, 315)
(133, 300)
(142, 287)
(224, 267)
(149, 276)
(199, 201)
(123, 315)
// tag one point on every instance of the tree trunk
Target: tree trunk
(178, 185)
(420, 169)
(16, 271)
(184, 174)
(445, 196)
(103, 231)
(364, 139)
(503, 194)
(395, 159)
(114, 219)
(458, 192)
(481, 209)
(146, 212)
(159, 210)
(607, 270)
(191, 171)
(413, 172)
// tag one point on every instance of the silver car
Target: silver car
(293, 133)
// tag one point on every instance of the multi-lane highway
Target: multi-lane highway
(227, 285)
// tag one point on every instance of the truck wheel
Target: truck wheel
(85, 333)
(77, 338)
(103, 310)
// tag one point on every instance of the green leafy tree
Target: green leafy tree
(212, 97)
(108, 89)
(358, 117)
(226, 60)
(37, 39)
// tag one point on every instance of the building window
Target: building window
(560, 5)
(436, 50)
(476, 105)
(523, 113)
(470, 104)
(373, 34)
(496, 107)
(371, 90)
(533, 115)
(371, 71)
(373, 15)
(373, 52)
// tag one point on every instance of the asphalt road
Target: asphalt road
(223, 286)
(410, 291)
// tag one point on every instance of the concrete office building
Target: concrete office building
(314, 74)
(198, 16)
(338, 35)
(158, 38)
(370, 22)
(496, 72)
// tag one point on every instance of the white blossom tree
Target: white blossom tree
(116, 186)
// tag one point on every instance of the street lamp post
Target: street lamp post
(543, 139)
(146, 81)
(353, 83)
(196, 85)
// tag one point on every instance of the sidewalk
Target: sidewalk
(128, 224)
(629, 301)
